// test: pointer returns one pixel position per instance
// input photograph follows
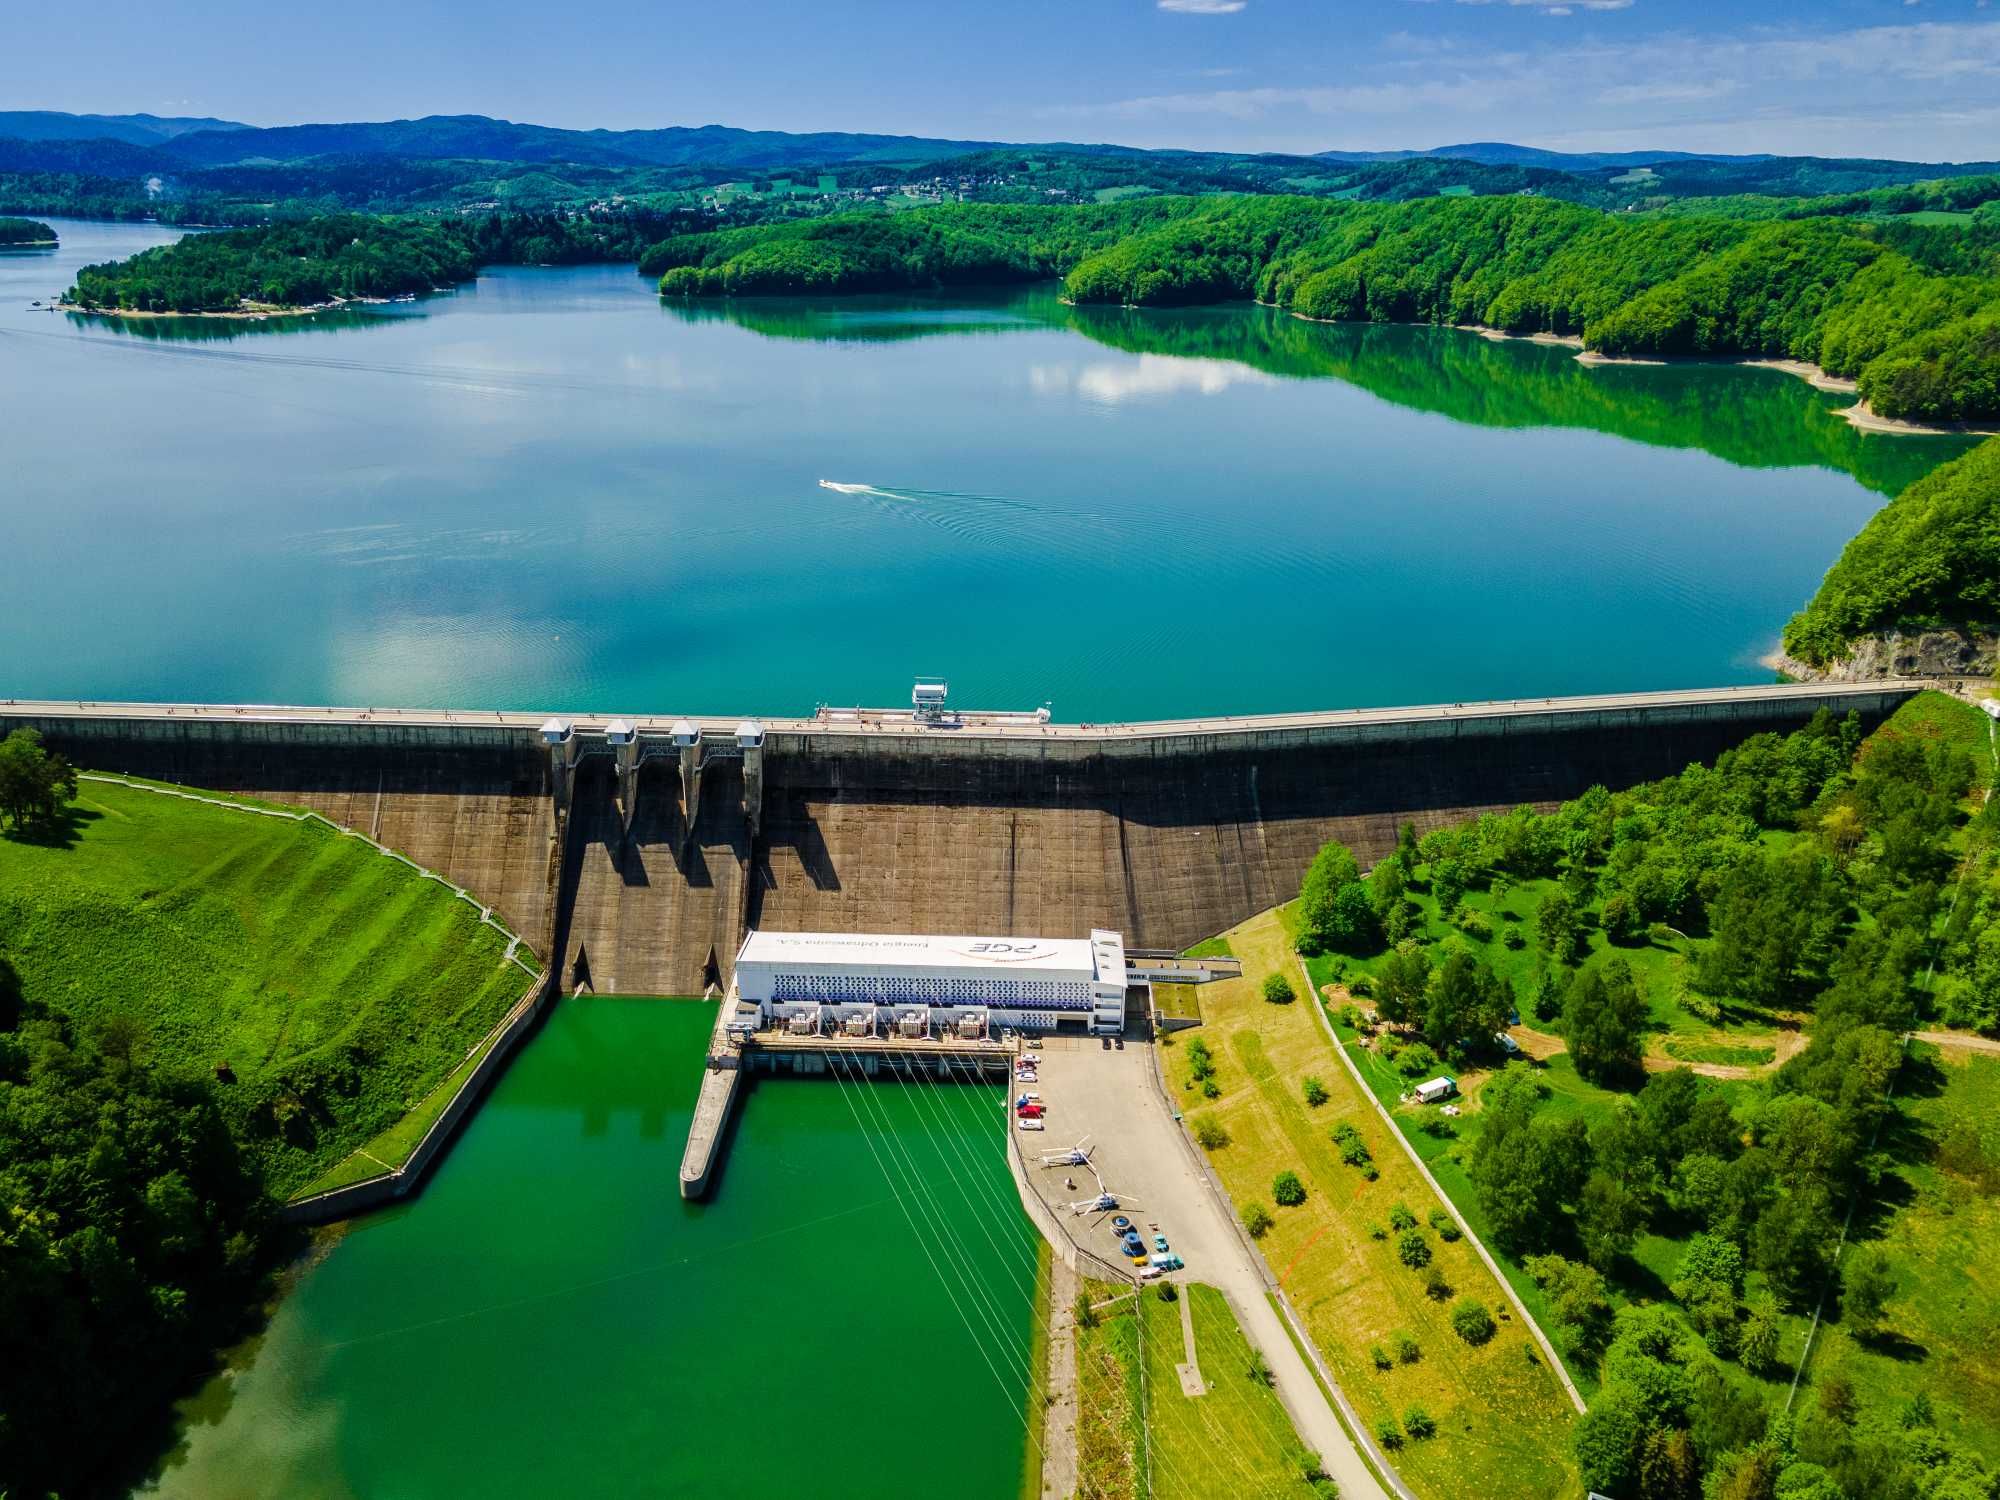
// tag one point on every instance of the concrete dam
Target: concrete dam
(642, 849)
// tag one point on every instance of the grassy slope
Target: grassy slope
(1236, 1440)
(273, 945)
(1498, 1414)
(1943, 1324)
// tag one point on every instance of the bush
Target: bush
(1353, 1150)
(1407, 1351)
(1473, 924)
(1257, 1219)
(1512, 938)
(1169, 1292)
(1471, 1321)
(1413, 1249)
(1400, 1217)
(1416, 1061)
(1288, 1190)
(1086, 1315)
(1435, 1286)
(1418, 1423)
(1389, 1434)
(1377, 1232)
(1380, 1355)
(1314, 1091)
(1209, 1134)
(1210, 1089)
(1444, 1224)
(1259, 1369)
(1278, 989)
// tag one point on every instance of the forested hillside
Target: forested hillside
(339, 257)
(1929, 558)
(25, 232)
(1681, 1231)
(1912, 314)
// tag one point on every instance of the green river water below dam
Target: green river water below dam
(849, 1315)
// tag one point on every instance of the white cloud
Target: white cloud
(1203, 7)
(1921, 91)
(1149, 377)
(1563, 7)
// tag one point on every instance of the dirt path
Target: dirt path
(1961, 1039)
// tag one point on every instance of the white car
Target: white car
(1033, 1125)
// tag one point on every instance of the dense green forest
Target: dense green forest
(1675, 1225)
(1929, 558)
(25, 232)
(135, 1239)
(1911, 311)
(339, 257)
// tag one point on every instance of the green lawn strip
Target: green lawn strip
(1237, 1439)
(1110, 1423)
(1683, 1050)
(1038, 1394)
(301, 957)
(238, 798)
(1178, 1001)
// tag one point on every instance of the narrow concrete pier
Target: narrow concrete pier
(722, 1075)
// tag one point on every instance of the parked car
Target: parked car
(1166, 1262)
(1033, 1125)
(1160, 1243)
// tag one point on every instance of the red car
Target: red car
(1030, 1111)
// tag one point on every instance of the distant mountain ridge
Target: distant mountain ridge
(141, 144)
(1504, 154)
(137, 130)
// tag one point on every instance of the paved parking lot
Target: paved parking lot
(1140, 1152)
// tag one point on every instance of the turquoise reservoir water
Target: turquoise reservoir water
(547, 490)
(550, 1319)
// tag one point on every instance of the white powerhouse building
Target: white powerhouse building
(1033, 983)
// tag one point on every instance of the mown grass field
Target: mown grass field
(336, 985)
(1938, 1220)
(1236, 1440)
(1502, 1415)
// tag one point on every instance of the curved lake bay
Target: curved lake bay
(549, 490)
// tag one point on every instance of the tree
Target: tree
(1400, 983)
(1209, 1133)
(1287, 1190)
(1526, 1166)
(1604, 1016)
(1559, 926)
(1333, 869)
(1277, 989)
(1580, 1300)
(1257, 1219)
(35, 784)
(1757, 1339)
(1867, 1286)
(1708, 1283)
(1449, 879)
(1354, 926)
(1608, 1216)
(1314, 1092)
(1464, 998)
(1413, 1249)
(1471, 1321)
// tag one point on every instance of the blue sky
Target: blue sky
(1904, 78)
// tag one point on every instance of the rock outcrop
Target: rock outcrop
(1950, 653)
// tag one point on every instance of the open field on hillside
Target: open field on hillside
(1502, 1417)
(1938, 1221)
(1236, 1440)
(332, 987)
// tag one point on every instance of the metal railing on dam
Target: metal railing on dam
(983, 733)
(871, 821)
